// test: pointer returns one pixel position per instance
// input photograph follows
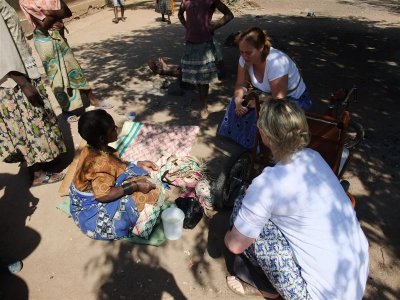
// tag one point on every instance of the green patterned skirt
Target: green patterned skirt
(199, 63)
(62, 69)
(31, 130)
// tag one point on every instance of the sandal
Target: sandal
(72, 118)
(115, 20)
(241, 288)
(47, 178)
(123, 19)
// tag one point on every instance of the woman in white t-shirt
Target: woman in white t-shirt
(295, 225)
(268, 70)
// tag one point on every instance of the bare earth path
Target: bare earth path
(346, 43)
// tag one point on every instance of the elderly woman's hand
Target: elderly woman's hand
(147, 165)
(145, 185)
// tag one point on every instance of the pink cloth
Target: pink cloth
(34, 8)
(198, 20)
(158, 142)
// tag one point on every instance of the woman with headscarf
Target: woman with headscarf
(28, 125)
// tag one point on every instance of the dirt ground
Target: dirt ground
(345, 43)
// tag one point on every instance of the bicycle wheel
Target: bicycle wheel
(237, 180)
(354, 134)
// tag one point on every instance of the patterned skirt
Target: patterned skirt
(165, 7)
(106, 221)
(200, 63)
(273, 254)
(33, 131)
(62, 69)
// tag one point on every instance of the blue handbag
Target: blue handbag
(242, 129)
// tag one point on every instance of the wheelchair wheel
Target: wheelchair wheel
(354, 134)
(233, 181)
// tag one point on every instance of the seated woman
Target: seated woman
(268, 70)
(101, 200)
(295, 226)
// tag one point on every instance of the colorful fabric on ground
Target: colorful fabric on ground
(273, 254)
(155, 142)
(106, 221)
(63, 71)
(33, 131)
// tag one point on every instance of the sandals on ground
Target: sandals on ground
(72, 118)
(115, 20)
(48, 178)
(242, 288)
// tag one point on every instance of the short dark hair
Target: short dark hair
(94, 125)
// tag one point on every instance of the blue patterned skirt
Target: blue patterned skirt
(273, 254)
(106, 221)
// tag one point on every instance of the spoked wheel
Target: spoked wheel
(354, 135)
(233, 181)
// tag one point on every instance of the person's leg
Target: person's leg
(162, 18)
(123, 13)
(115, 20)
(169, 18)
(203, 95)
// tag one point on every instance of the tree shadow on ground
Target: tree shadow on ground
(331, 53)
(389, 5)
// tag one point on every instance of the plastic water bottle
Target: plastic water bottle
(15, 267)
(131, 116)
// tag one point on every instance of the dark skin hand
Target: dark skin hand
(228, 16)
(143, 185)
(53, 18)
(27, 88)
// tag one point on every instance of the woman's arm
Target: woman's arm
(228, 15)
(181, 16)
(237, 242)
(116, 192)
(279, 87)
(241, 86)
(27, 88)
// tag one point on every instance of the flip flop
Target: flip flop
(72, 119)
(48, 178)
(123, 19)
(102, 105)
(241, 288)
(115, 20)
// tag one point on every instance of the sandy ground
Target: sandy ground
(346, 43)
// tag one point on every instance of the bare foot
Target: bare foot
(153, 66)
(204, 113)
(163, 65)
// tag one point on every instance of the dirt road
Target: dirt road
(345, 43)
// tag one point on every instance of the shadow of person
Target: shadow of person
(17, 240)
(13, 287)
(135, 280)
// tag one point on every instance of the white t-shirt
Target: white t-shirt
(305, 200)
(278, 65)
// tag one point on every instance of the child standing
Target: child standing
(200, 58)
(165, 7)
(120, 4)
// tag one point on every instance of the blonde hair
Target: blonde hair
(258, 38)
(285, 125)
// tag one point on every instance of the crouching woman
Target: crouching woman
(295, 226)
(101, 201)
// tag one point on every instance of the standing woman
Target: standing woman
(68, 82)
(28, 125)
(199, 61)
(268, 70)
